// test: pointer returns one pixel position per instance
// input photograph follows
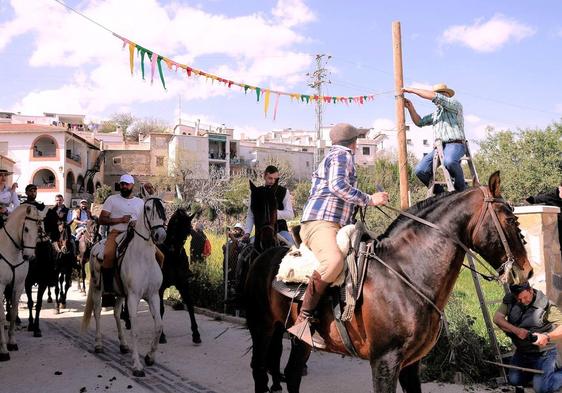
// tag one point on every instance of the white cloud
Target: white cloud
(488, 36)
(384, 124)
(293, 12)
(471, 119)
(254, 49)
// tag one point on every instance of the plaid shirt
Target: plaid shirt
(447, 120)
(333, 194)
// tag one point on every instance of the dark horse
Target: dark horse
(393, 326)
(175, 270)
(87, 239)
(65, 261)
(43, 272)
(176, 266)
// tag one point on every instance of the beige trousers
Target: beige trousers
(110, 251)
(320, 237)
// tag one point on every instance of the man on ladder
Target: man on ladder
(448, 130)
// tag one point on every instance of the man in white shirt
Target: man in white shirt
(117, 211)
(284, 206)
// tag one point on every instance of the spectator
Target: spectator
(197, 246)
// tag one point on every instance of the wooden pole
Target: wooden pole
(400, 118)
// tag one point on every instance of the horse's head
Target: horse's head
(155, 218)
(264, 208)
(31, 222)
(496, 235)
(179, 228)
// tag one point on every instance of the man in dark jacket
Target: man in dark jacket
(55, 214)
(551, 198)
(533, 323)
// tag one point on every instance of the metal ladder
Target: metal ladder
(437, 163)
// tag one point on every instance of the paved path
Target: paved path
(63, 359)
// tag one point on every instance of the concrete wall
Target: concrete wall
(189, 152)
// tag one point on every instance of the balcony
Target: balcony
(74, 156)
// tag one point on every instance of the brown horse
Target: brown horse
(394, 325)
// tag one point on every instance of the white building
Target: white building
(53, 158)
(419, 142)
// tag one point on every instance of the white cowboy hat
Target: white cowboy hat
(442, 88)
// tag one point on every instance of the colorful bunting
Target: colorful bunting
(156, 61)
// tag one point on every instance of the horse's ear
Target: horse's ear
(494, 184)
(188, 208)
(192, 216)
(475, 182)
(142, 191)
(252, 186)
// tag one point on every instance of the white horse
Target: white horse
(18, 238)
(141, 278)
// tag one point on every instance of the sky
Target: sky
(503, 58)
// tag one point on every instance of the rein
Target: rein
(147, 224)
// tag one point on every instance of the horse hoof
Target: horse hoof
(30, 327)
(37, 333)
(4, 357)
(148, 360)
(276, 389)
(128, 325)
(98, 349)
(124, 349)
(138, 373)
(57, 311)
(13, 347)
(196, 339)
(162, 339)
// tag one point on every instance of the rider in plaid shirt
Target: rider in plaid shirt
(330, 205)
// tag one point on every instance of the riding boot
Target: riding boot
(302, 329)
(108, 296)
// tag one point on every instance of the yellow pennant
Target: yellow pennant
(131, 56)
(266, 102)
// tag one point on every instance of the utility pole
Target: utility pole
(317, 79)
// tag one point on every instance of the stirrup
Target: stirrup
(303, 332)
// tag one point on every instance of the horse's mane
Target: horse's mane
(416, 209)
(159, 207)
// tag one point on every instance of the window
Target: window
(308, 164)
(408, 141)
(117, 160)
(160, 161)
(366, 151)
(425, 142)
(44, 146)
(44, 178)
(69, 180)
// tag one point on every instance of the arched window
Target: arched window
(69, 180)
(44, 146)
(80, 183)
(44, 179)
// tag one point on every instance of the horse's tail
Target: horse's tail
(88, 310)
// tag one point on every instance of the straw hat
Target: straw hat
(442, 88)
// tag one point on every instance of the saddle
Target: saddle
(355, 241)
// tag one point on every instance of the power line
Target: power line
(318, 78)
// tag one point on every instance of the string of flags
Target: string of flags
(261, 93)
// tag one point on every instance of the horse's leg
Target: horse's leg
(123, 347)
(186, 298)
(68, 284)
(58, 284)
(410, 378)
(4, 354)
(49, 297)
(133, 304)
(153, 304)
(16, 293)
(260, 347)
(274, 358)
(297, 359)
(385, 370)
(125, 316)
(162, 339)
(28, 293)
(83, 273)
(38, 306)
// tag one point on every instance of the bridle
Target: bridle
(147, 224)
(22, 246)
(268, 225)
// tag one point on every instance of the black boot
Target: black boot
(301, 329)
(107, 278)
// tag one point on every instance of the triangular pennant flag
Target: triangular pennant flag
(160, 71)
(361, 100)
(246, 87)
(276, 105)
(142, 52)
(266, 101)
(153, 58)
(258, 91)
(188, 69)
(334, 99)
(131, 56)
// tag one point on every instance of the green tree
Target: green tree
(530, 160)
(146, 126)
(102, 193)
(120, 121)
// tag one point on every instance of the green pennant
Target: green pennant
(258, 91)
(307, 98)
(159, 61)
(246, 87)
(334, 99)
(350, 99)
(142, 52)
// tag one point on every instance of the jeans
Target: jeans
(287, 236)
(548, 382)
(452, 153)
